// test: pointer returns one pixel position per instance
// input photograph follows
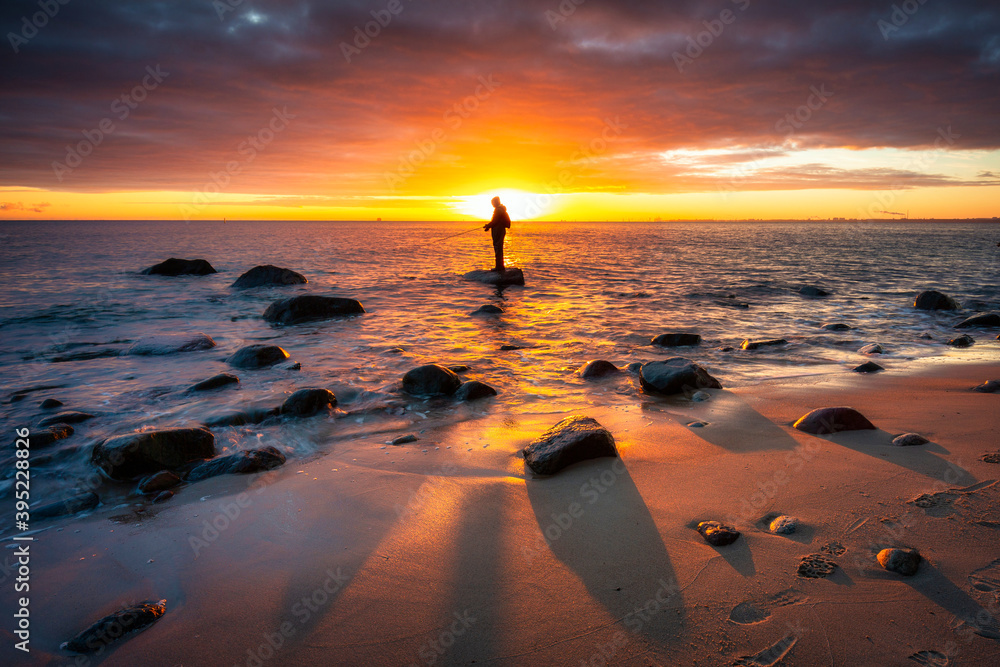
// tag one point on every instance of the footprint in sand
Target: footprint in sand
(987, 579)
(770, 656)
(936, 504)
(749, 613)
(816, 566)
(932, 658)
(834, 548)
(991, 457)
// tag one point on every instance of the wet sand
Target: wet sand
(457, 556)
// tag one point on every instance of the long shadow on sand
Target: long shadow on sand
(612, 543)
(920, 459)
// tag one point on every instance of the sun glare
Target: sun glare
(521, 205)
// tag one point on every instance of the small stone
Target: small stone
(570, 441)
(900, 561)
(163, 496)
(701, 396)
(836, 326)
(757, 344)
(988, 387)
(868, 367)
(872, 348)
(508, 348)
(697, 424)
(404, 439)
(474, 390)
(180, 267)
(823, 421)
(47, 436)
(214, 382)
(909, 440)
(962, 341)
(675, 376)
(488, 309)
(307, 402)
(934, 300)
(597, 368)
(430, 380)
(460, 368)
(812, 291)
(113, 627)
(677, 340)
(717, 534)
(157, 482)
(783, 525)
(164, 344)
(257, 356)
(68, 417)
(50, 403)
(634, 367)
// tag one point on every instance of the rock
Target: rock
(50, 403)
(240, 463)
(510, 276)
(823, 421)
(180, 267)
(900, 561)
(572, 440)
(268, 274)
(756, 344)
(162, 344)
(983, 320)
(696, 424)
(488, 309)
(717, 534)
(701, 396)
(836, 326)
(460, 368)
(813, 291)
(214, 382)
(634, 367)
(288, 366)
(430, 380)
(726, 348)
(909, 440)
(163, 496)
(306, 402)
(597, 368)
(115, 626)
(868, 367)
(675, 376)
(68, 417)
(473, 390)
(86, 355)
(988, 387)
(934, 300)
(241, 417)
(677, 339)
(47, 436)
(404, 439)
(157, 482)
(257, 356)
(783, 525)
(126, 456)
(77, 503)
(964, 340)
(307, 307)
(872, 348)
(508, 348)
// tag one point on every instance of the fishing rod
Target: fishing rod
(451, 237)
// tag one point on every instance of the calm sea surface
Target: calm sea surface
(600, 290)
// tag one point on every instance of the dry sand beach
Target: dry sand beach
(458, 555)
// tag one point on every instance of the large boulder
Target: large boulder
(981, 320)
(126, 456)
(161, 344)
(268, 274)
(431, 380)
(180, 267)
(510, 276)
(934, 300)
(306, 402)
(598, 368)
(240, 463)
(675, 376)
(307, 307)
(257, 356)
(677, 339)
(474, 390)
(572, 440)
(823, 421)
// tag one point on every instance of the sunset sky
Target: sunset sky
(580, 110)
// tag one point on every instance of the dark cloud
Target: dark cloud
(561, 78)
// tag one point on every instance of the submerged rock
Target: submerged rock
(677, 340)
(157, 482)
(162, 344)
(306, 402)
(717, 534)
(901, 561)
(988, 387)
(823, 421)
(257, 356)
(597, 368)
(510, 276)
(241, 417)
(268, 274)
(701, 396)
(68, 417)
(510, 348)
(909, 440)
(868, 367)
(47, 436)
(50, 403)
(872, 348)
(214, 382)
(473, 390)
(115, 626)
(783, 525)
(430, 380)
(934, 300)
(572, 440)
(964, 340)
(675, 376)
(757, 344)
(72, 505)
(836, 326)
(126, 456)
(813, 291)
(982, 320)
(240, 463)
(308, 307)
(180, 267)
(488, 309)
